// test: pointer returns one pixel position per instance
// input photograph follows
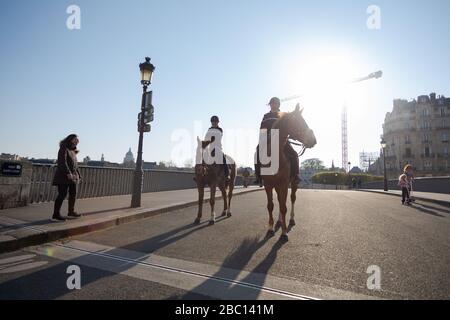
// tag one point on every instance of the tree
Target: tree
(161, 165)
(188, 164)
(313, 164)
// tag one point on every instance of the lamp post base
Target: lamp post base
(137, 189)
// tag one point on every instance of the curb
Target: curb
(439, 202)
(40, 236)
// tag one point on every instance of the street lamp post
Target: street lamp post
(146, 69)
(383, 146)
(336, 180)
(349, 174)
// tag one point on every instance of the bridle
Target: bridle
(302, 151)
(302, 145)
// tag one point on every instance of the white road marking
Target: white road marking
(214, 281)
(23, 267)
(19, 263)
(17, 259)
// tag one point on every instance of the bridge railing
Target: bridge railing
(422, 184)
(102, 182)
(105, 182)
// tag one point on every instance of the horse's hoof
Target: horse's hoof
(229, 214)
(197, 221)
(211, 222)
(284, 238)
(278, 224)
(270, 233)
(291, 223)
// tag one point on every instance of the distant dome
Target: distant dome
(128, 157)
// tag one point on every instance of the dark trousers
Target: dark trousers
(62, 193)
(405, 194)
(292, 157)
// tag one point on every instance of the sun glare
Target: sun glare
(322, 79)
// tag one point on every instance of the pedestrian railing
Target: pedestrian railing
(422, 184)
(103, 182)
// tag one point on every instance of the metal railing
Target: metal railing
(422, 184)
(104, 182)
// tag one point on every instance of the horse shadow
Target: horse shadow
(233, 265)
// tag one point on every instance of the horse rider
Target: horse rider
(214, 135)
(267, 122)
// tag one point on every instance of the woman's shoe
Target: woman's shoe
(74, 215)
(57, 217)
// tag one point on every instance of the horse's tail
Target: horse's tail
(233, 171)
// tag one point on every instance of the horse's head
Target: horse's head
(202, 144)
(298, 128)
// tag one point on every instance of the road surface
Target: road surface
(339, 237)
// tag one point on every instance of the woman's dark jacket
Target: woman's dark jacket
(67, 164)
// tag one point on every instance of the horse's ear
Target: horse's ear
(198, 139)
(297, 108)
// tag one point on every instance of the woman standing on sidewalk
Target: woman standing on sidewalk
(67, 176)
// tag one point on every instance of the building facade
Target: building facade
(417, 132)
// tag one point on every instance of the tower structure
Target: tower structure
(344, 138)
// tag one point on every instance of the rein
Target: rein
(300, 145)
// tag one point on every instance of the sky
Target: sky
(215, 57)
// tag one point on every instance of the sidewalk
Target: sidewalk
(437, 198)
(31, 225)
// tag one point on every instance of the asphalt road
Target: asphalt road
(338, 236)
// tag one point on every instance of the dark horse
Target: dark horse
(291, 126)
(213, 175)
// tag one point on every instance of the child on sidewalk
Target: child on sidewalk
(408, 170)
(403, 183)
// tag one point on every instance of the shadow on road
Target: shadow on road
(234, 264)
(442, 210)
(420, 207)
(47, 222)
(50, 283)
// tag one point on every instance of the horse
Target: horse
(213, 175)
(291, 126)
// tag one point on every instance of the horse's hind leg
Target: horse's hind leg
(224, 196)
(294, 188)
(201, 193)
(270, 206)
(212, 202)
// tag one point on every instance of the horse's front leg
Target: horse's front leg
(282, 197)
(212, 202)
(270, 206)
(294, 188)
(201, 193)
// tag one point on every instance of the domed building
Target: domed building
(128, 161)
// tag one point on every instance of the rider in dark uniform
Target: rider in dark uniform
(214, 134)
(267, 122)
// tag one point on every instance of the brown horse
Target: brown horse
(291, 126)
(213, 175)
